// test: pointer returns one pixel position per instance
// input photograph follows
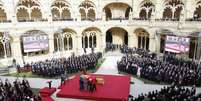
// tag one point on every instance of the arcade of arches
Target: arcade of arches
(93, 23)
(32, 10)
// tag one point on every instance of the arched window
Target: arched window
(28, 10)
(56, 42)
(94, 41)
(86, 42)
(89, 36)
(87, 10)
(3, 16)
(146, 10)
(197, 12)
(90, 41)
(64, 40)
(172, 9)
(60, 10)
(83, 42)
(68, 41)
(5, 47)
(65, 43)
(143, 38)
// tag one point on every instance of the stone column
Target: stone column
(131, 40)
(51, 44)
(189, 8)
(103, 41)
(135, 9)
(199, 49)
(79, 49)
(158, 9)
(16, 50)
(152, 43)
(11, 10)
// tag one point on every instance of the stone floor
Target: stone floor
(109, 66)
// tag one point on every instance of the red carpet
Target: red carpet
(46, 91)
(47, 98)
(116, 88)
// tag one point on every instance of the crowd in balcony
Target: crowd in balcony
(57, 67)
(19, 90)
(169, 70)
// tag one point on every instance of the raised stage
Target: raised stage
(115, 88)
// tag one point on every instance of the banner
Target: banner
(34, 43)
(177, 44)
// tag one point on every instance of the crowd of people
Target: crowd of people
(171, 93)
(87, 83)
(19, 90)
(112, 47)
(168, 70)
(57, 67)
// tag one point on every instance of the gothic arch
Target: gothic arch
(64, 39)
(3, 16)
(61, 9)
(197, 12)
(90, 37)
(87, 10)
(28, 10)
(172, 9)
(143, 38)
(146, 9)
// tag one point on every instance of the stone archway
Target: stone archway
(117, 11)
(34, 42)
(117, 35)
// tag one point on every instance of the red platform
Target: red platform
(48, 98)
(115, 88)
(46, 91)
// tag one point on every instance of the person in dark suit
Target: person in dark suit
(62, 79)
(49, 84)
(85, 51)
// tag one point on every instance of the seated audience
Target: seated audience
(169, 69)
(58, 67)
